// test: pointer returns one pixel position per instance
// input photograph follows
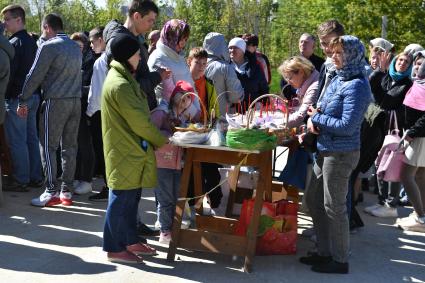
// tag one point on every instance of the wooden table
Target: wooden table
(215, 234)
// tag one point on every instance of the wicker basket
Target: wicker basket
(282, 132)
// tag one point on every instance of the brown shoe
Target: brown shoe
(124, 257)
(141, 249)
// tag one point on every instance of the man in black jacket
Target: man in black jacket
(21, 133)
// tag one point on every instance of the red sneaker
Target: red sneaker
(124, 257)
(141, 249)
(66, 198)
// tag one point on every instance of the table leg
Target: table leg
(198, 185)
(184, 184)
(263, 190)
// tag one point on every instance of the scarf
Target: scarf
(353, 58)
(397, 76)
(172, 32)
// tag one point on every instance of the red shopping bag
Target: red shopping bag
(277, 231)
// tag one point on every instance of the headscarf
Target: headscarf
(172, 32)
(418, 55)
(353, 58)
(397, 76)
(415, 97)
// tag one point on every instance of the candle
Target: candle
(267, 108)
(261, 110)
(249, 100)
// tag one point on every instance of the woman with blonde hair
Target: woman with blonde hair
(300, 73)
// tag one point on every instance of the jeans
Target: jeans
(167, 193)
(327, 199)
(22, 138)
(121, 220)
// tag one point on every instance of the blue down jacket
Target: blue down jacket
(342, 109)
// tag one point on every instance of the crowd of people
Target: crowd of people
(105, 102)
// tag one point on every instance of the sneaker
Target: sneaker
(331, 267)
(14, 186)
(371, 208)
(157, 225)
(165, 238)
(385, 211)
(124, 257)
(141, 249)
(101, 196)
(46, 199)
(404, 220)
(83, 188)
(66, 197)
(416, 226)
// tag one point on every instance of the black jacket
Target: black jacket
(414, 122)
(86, 74)
(316, 61)
(252, 79)
(148, 80)
(372, 137)
(25, 50)
(388, 94)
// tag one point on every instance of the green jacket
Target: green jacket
(125, 126)
(212, 98)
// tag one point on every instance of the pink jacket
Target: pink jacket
(307, 95)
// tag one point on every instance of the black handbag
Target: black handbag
(310, 142)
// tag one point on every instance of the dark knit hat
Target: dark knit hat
(123, 46)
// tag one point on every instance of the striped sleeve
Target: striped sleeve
(37, 73)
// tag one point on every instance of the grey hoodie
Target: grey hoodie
(220, 72)
(6, 55)
(57, 68)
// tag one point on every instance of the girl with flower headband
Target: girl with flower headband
(166, 116)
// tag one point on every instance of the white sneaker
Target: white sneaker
(165, 238)
(83, 188)
(385, 211)
(371, 208)
(417, 226)
(157, 225)
(46, 199)
(405, 220)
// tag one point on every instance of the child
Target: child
(197, 62)
(165, 116)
